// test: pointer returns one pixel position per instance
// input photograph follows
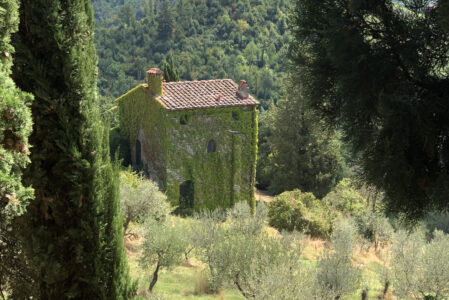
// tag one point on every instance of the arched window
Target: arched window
(211, 147)
(138, 152)
(186, 194)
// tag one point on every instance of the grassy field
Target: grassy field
(187, 281)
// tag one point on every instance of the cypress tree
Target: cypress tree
(170, 71)
(15, 127)
(69, 232)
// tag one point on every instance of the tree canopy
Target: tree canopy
(379, 70)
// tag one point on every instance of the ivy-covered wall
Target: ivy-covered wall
(174, 148)
(220, 178)
(143, 118)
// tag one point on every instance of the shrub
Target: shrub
(140, 199)
(420, 268)
(299, 211)
(345, 199)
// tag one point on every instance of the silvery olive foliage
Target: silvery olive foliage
(420, 268)
(140, 199)
(336, 274)
(238, 251)
(163, 247)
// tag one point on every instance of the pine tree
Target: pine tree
(380, 71)
(148, 9)
(15, 128)
(70, 231)
(165, 21)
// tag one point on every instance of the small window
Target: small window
(211, 147)
(184, 119)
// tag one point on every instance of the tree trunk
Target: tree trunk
(387, 285)
(365, 294)
(154, 280)
(125, 226)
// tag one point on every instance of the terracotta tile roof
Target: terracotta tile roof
(203, 94)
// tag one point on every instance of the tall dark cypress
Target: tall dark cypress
(68, 231)
(15, 127)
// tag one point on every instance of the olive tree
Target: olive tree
(336, 275)
(140, 198)
(239, 251)
(420, 268)
(374, 228)
(163, 247)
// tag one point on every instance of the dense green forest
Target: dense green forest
(208, 40)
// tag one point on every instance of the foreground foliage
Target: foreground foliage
(360, 69)
(72, 232)
(15, 128)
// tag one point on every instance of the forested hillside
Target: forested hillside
(238, 39)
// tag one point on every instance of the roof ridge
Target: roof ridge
(195, 81)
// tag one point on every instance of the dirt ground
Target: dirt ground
(263, 196)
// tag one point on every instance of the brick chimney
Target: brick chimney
(243, 90)
(155, 78)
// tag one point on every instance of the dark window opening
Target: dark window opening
(211, 147)
(138, 152)
(186, 194)
(235, 115)
(184, 120)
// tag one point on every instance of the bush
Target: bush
(345, 199)
(420, 268)
(299, 211)
(140, 199)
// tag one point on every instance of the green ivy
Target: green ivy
(178, 151)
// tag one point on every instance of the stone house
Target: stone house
(196, 139)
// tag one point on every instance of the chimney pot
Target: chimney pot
(154, 80)
(243, 90)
